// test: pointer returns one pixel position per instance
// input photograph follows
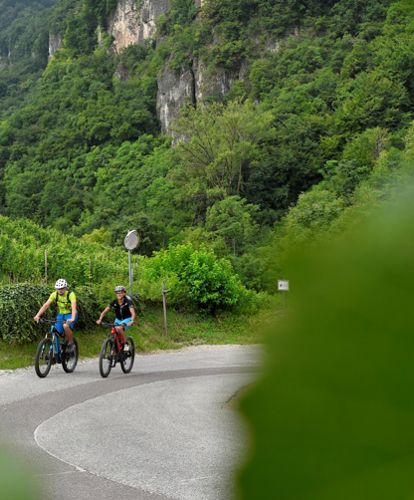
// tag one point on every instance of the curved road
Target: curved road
(167, 430)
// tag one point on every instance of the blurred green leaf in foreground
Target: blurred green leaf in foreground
(17, 482)
(333, 416)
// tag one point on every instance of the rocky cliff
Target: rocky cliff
(133, 21)
(55, 42)
(190, 85)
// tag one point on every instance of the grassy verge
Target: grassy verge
(149, 335)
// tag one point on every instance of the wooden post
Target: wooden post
(46, 265)
(164, 305)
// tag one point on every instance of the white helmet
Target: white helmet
(61, 283)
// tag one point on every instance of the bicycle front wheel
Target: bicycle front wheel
(105, 358)
(70, 358)
(128, 355)
(43, 358)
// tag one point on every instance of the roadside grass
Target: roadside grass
(184, 329)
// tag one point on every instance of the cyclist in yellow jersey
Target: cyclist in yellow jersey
(67, 314)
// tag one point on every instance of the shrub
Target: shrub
(193, 277)
(20, 302)
(88, 306)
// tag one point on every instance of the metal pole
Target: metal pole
(130, 271)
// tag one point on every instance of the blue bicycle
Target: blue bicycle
(54, 349)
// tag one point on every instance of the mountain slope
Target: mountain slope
(279, 96)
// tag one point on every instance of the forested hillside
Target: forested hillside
(236, 136)
(320, 100)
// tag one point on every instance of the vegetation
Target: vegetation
(315, 130)
(331, 414)
(196, 278)
(275, 177)
(19, 303)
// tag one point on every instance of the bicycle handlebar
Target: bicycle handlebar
(51, 321)
(104, 323)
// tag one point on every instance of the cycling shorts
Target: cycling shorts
(123, 322)
(61, 318)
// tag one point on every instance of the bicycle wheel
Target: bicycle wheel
(43, 358)
(105, 358)
(70, 359)
(128, 355)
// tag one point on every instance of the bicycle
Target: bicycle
(53, 349)
(113, 352)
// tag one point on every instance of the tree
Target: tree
(219, 146)
(233, 219)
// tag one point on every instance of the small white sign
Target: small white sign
(283, 285)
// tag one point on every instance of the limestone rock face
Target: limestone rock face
(174, 90)
(55, 42)
(134, 21)
(190, 85)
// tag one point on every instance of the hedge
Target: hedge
(20, 302)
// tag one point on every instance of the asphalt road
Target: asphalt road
(167, 430)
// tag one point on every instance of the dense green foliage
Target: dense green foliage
(17, 303)
(331, 415)
(24, 41)
(320, 100)
(193, 278)
(28, 253)
(24, 244)
(20, 302)
(307, 129)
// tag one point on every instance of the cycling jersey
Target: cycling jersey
(122, 311)
(63, 302)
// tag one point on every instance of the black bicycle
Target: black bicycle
(113, 352)
(54, 349)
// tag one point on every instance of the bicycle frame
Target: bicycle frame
(55, 336)
(114, 334)
(52, 349)
(114, 351)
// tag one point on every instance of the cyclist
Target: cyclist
(124, 312)
(67, 313)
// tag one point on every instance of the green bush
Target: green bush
(20, 302)
(193, 277)
(88, 306)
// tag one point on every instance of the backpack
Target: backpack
(68, 302)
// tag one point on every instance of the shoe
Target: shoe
(71, 348)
